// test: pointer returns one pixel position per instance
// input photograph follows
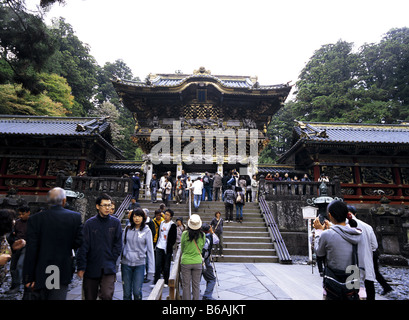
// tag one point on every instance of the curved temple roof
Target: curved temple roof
(229, 84)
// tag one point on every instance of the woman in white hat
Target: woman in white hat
(192, 242)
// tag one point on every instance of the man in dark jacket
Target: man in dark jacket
(154, 187)
(164, 247)
(208, 273)
(51, 236)
(136, 185)
(102, 245)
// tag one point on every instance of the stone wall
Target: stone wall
(391, 230)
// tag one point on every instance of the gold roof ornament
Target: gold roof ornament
(201, 70)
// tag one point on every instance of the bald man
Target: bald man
(52, 234)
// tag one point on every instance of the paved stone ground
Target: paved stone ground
(260, 281)
(250, 281)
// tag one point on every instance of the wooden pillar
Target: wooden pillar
(3, 169)
(357, 178)
(398, 181)
(316, 171)
(41, 172)
(82, 165)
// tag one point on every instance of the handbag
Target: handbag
(216, 239)
(203, 260)
(336, 282)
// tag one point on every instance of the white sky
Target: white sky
(266, 38)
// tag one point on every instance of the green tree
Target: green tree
(279, 133)
(73, 61)
(58, 90)
(107, 109)
(326, 82)
(385, 74)
(106, 92)
(14, 99)
(25, 46)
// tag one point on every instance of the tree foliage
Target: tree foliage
(73, 61)
(340, 84)
(107, 109)
(25, 46)
(14, 99)
(106, 92)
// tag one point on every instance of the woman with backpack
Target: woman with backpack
(239, 204)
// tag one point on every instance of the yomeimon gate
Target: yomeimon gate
(199, 102)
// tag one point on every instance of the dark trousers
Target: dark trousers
(379, 277)
(370, 290)
(16, 267)
(210, 278)
(135, 193)
(216, 192)
(46, 294)
(162, 264)
(104, 286)
(229, 211)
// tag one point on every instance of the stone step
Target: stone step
(248, 252)
(247, 259)
(203, 204)
(215, 207)
(236, 238)
(244, 227)
(247, 242)
(245, 234)
(248, 245)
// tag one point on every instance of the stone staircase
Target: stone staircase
(246, 242)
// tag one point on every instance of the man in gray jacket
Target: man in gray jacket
(336, 242)
(370, 244)
(217, 186)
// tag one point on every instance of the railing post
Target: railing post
(337, 187)
(190, 203)
(261, 187)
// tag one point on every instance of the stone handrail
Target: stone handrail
(112, 185)
(174, 277)
(279, 189)
(156, 293)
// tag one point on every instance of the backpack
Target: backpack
(338, 284)
(229, 196)
(206, 179)
(238, 199)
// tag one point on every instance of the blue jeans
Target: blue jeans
(196, 200)
(132, 281)
(153, 194)
(210, 278)
(208, 191)
(239, 211)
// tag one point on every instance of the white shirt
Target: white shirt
(197, 187)
(163, 234)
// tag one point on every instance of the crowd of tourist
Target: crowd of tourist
(46, 248)
(211, 188)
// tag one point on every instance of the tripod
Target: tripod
(215, 272)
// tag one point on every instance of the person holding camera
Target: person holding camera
(337, 244)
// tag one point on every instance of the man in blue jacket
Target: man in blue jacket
(136, 185)
(102, 245)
